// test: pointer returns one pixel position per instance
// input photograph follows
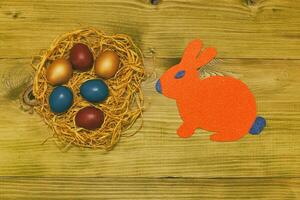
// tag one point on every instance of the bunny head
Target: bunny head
(183, 75)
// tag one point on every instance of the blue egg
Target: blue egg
(94, 90)
(60, 99)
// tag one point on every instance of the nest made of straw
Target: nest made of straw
(124, 104)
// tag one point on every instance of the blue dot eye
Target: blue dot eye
(180, 74)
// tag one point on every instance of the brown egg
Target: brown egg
(81, 57)
(107, 64)
(89, 118)
(59, 72)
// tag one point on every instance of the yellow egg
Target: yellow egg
(107, 64)
(59, 72)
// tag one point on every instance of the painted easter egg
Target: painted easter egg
(59, 72)
(89, 118)
(107, 64)
(94, 90)
(60, 99)
(81, 57)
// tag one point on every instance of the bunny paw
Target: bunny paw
(185, 131)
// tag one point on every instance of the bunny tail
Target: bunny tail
(258, 125)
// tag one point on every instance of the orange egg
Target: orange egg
(107, 64)
(59, 72)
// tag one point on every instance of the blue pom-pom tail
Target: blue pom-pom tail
(258, 126)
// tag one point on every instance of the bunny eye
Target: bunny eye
(180, 74)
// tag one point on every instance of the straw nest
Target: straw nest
(123, 106)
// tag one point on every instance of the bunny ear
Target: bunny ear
(191, 52)
(205, 57)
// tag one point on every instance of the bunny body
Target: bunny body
(215, 106)
(223, 105)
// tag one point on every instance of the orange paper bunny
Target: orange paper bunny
(223, 105)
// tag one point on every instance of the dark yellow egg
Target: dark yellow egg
(59, 72)
(107, 64)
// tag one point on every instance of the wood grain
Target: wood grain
(148, 188)
(156, 151)
(257, 41)
(238, 28)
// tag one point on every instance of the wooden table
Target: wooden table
(258, 42)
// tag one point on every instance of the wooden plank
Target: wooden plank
(156, 151)
(149, 188)
(238, 28)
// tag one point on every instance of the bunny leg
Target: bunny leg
(185, 130)
(226, 137)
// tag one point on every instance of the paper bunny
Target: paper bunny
(220, 104)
